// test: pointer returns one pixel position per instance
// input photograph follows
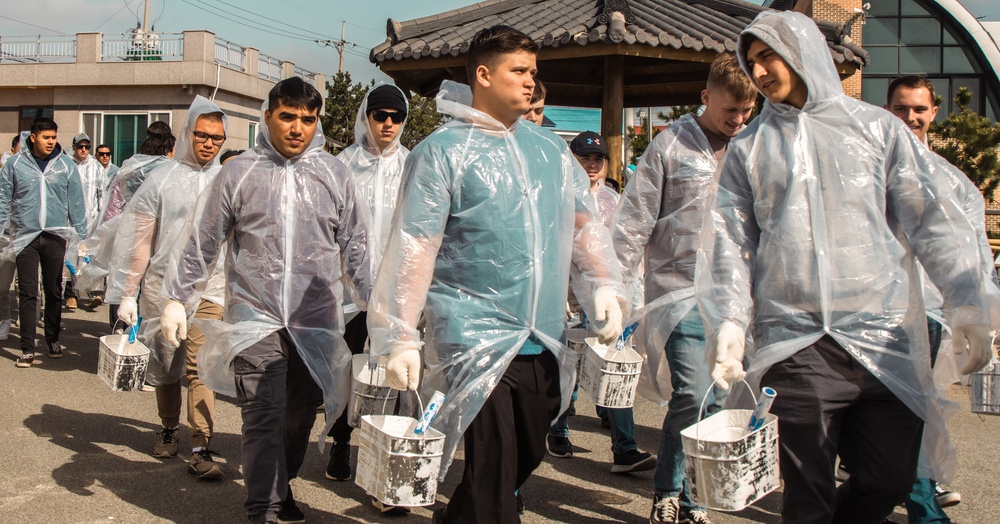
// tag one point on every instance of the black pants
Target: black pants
(828, 403)
(355, 333)
(506, 441)
(47, 251)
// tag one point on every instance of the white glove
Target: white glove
(128, 311)
(173, 323)
(977, 338)
(725, 355)
(607, 315)
(402, 370)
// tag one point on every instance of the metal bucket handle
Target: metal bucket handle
(420, 402)
(701, 409)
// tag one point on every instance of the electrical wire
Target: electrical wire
(269, 20)
(120, 9)
(32, 25)
(255, 27)
(133, 13)
(163, 5)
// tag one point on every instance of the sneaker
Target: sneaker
(665, 510)
(386, 509)
(946, 498)
(147, 387)
(290, 512)
(95, 302)
(559, 447)
(55, 350)
(842, 474)
(203, 467)
(633, 460)
(5, 329)
(520, 502)
(693, 516)
(166, 443)
(339, 467)
(25, 360)
(70, 303)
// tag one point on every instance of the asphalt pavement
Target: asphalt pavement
(74, 451)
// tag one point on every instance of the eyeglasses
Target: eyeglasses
(104, 153)
(84, 146)
(203, 137)
(396, 117)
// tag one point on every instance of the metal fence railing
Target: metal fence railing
(230, 55)
(304, 74)
(268, 68)
(150, 46)
(37, 49)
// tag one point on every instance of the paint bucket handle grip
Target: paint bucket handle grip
(701, 409)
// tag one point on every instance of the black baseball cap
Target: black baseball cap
(588, 142)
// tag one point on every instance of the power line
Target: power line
(379, 31)
(255, 27)
(163, 5)
(120, 9)
(268, 19)
(32, 25)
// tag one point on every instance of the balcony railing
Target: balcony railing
(35, 49)
(165, 46)
(268, 68)
(230, 55)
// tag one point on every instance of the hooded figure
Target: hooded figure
(93, 181)
(149, 228)
(501, 262)
(810, 244)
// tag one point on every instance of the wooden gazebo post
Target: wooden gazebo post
(611, 112)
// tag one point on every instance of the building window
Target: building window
(123, 132)
(27, 115)
(252, 135)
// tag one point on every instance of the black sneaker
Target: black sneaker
(203, 467)
(693, 516)
(632, 461)
(339, 467)
(386, 509)
(665, 510)
(946, 498)
(559, 447)
(55, 350)
(25, 360)
(290, 512)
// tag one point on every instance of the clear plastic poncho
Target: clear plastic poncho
(490, 220)
(818, 216)
(289, 226)
(109, 175)
(99, 246)
(376, 177)
(92, 180)
(34, 201)
(150, 228)
(658, 226)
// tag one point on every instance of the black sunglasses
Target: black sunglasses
(104, 153)
(84, 146)
(380, 116)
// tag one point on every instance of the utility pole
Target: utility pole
(339, 45)
(145, 18)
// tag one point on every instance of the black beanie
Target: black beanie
(386, 97)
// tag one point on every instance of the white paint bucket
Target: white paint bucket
(576, 340)
(729, 468)
(370, 394)
(609, 376)
(122, 366)
(984, 389)
(396, 466)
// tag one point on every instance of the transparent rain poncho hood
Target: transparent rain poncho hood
(658, 226)
(376, 177)
(151, 227)
(99, 245)
(289, 227)
(490, 211)
(818, 215)
(92, 180)
(34, 201)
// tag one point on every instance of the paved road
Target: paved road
(73, 451)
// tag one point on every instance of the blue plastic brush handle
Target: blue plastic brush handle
(134, 331)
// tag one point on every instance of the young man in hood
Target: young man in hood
(286, 214)
(658, 226)
(108, 168)
(41, 195)
(375, 160)
(822, 202)
(92, 180)
(493, 212)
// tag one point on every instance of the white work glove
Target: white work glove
(607, 315)
(725, 355)
(402, 370)
(977, 338)
(173, 323)
(128, 311)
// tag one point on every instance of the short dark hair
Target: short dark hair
(746, 40)
(105, 145)
(159, 140)
(490, 44)
(43, 123)
(16, 140)
(539, 93)
(911, 82)
(294, 92)
(230, 153)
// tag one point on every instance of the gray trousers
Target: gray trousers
(277, 398)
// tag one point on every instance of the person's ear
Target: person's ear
(483, 75)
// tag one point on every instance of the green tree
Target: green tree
(343, 98)
(971, 143)
(422, 120)
(638, 142)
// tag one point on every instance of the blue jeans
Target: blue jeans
(622, 428)
(560, 428)
(685, 352)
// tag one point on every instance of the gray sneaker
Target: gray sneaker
(25, 360)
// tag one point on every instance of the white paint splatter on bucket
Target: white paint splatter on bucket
(122, 366)
(396, 466)
(610, 376)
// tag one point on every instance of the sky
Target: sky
(284, 29)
